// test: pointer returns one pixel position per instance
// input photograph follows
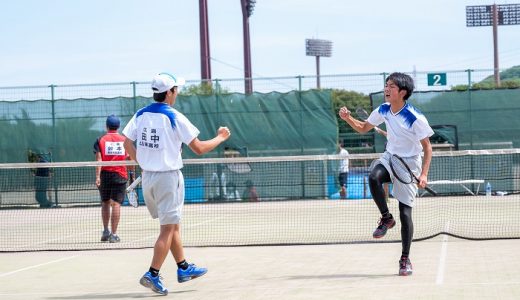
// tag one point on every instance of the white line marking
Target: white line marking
(442, 258)
(39, 265)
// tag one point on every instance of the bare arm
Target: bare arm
(202, 147)
(98, 169)
(380, 131)
(359, 126)
(130, 148)
(427, 148)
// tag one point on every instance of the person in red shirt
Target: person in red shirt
(111, 180)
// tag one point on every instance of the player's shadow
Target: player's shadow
(140, 295)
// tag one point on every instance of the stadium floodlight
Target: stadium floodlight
(493, 15)
(482, 15)
(250, 6)
(318, 48)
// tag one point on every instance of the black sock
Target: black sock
(154, 272)
(387, 215)
(404, 256)
(183, 265)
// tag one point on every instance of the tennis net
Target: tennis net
(261, 201)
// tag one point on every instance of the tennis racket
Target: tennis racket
(131, 194)
(404, 174)
(363, 114)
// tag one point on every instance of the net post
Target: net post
(134, 94)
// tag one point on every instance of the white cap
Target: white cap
(162, 82)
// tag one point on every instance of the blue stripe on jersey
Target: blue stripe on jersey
(158, 108)
(408, 116)
(384, 108)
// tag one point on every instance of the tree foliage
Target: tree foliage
(509, 79)
(352, 100)
(204, 88)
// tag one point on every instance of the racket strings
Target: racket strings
(362, 113)
(400, 170)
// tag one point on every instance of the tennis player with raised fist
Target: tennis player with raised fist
(408, 135)
(158, 131)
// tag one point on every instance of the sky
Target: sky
(105, 41)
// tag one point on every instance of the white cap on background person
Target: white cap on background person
(163, 82)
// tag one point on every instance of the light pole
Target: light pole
(318, 48)
(493, 15)
(205, 57)
(247, 10)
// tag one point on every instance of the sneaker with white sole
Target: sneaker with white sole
(190, 273)
(383, 225)
(113, 238)
(405, 267)
(153, 283)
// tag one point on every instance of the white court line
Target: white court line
(442, 258)
(36, 266)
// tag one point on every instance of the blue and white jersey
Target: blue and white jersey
(404, 129)
(159, 131)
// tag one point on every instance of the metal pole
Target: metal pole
(54, 142)
(134, 94)
(470, 114)
(469, 78)
(318, 86)
(495, 45)
(52, 86)
(205, 57)
(247, 49)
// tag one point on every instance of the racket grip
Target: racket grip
(430, 191)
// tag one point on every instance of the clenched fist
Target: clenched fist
(344, 113)
(224, 132)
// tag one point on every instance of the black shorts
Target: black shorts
(342, 178)
(112, 186)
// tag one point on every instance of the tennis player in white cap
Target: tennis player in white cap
(158, 131)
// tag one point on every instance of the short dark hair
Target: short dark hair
(160, 97)
(403, 82)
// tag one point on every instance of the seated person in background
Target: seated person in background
(218, 189)
(232, 192)
(215, 186)
(250, 193)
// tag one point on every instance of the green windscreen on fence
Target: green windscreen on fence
(484, 119)
(262, 124)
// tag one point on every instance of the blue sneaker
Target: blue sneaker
(105, 236)
(190, 273)
(153, 283)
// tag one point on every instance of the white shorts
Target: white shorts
(404, 193)
(164, 195)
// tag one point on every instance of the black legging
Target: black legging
(405, 214)
(376, 178)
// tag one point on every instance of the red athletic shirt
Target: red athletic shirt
(111, 148)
